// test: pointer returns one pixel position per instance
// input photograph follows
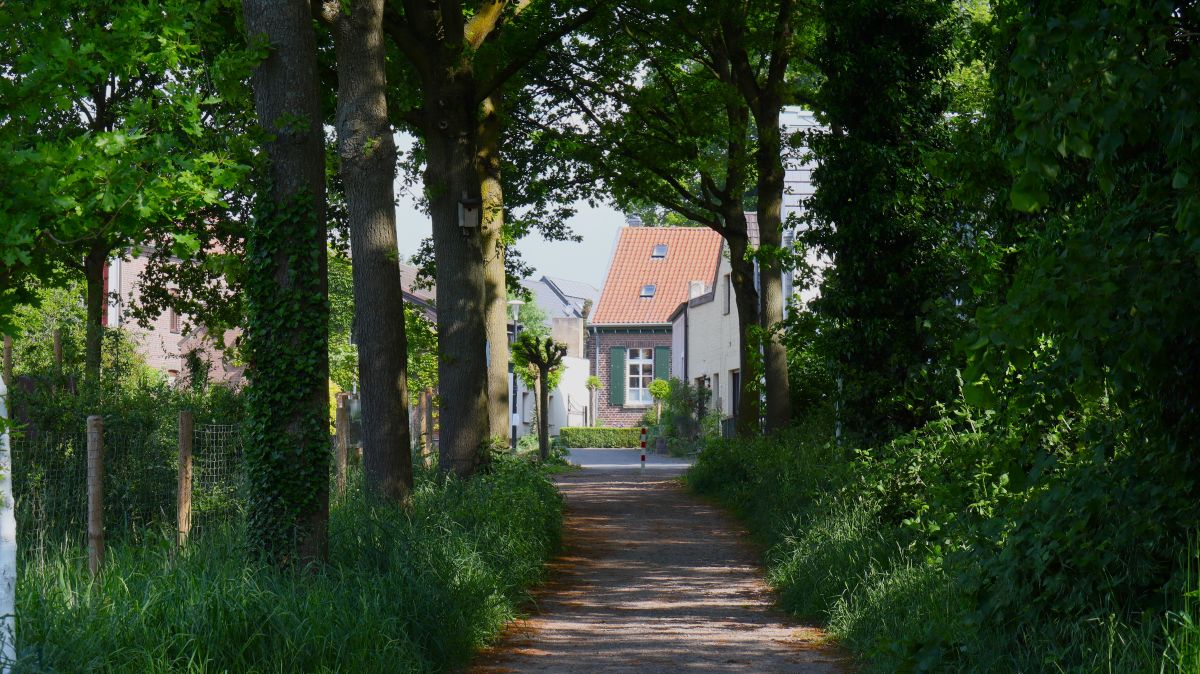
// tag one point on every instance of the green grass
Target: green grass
(408, 590)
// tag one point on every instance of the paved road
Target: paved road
(652, 579)
(625, 458)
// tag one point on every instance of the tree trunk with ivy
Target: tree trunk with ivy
(287, 455)
(368, 165)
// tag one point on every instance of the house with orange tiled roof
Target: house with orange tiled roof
(653, 270)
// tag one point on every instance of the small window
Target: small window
(648, 290)
(174, 327)
(660, 251)
(728, 287)
(641, 373)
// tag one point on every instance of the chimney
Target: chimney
(695, 289)
(633, 220)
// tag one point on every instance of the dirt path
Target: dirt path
(652, 579)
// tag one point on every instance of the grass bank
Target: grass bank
(926, 555)
(410, 590)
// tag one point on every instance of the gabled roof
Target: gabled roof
(575, 292)
(560, 298)
(693, 254)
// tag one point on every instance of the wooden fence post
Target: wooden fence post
(342, 426)
(95, 492)
(184, 494)
(8, 360)
(57, 338)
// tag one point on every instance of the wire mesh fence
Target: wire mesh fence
(141, 482)
(218, 477)
(141, 488)
(50, 488)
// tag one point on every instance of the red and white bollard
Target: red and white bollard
(643, 447)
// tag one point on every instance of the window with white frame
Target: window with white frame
(641, 373)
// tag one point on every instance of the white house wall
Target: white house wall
(798, 187)
(713, 348)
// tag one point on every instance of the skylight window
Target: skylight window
(648, 291)
(660, 251)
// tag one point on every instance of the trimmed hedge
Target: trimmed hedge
(600, 437)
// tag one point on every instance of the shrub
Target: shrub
(956, 548)
(600, 437)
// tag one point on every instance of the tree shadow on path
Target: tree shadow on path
(652, 579)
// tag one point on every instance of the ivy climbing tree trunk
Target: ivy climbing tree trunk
(287, 457)
(487, 164)
(368, 164)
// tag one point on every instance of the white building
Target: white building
(566, 305)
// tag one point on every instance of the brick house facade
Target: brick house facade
(653, 269)
(613, 404)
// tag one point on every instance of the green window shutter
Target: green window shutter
(662, 362)
(616, 379)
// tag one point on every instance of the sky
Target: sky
(585, 261)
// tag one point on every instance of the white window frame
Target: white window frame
(639, 372)
(648, 291)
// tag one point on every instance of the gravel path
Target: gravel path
(651, 579)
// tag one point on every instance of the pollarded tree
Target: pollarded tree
(544, 355)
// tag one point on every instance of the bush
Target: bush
(600, 437)
(406, 590)
(943, 550)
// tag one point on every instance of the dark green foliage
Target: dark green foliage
(407, 590)
(887, 303)
(285, 344)
(600, 437)
(936, 552)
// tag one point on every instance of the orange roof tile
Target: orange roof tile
(693, 254)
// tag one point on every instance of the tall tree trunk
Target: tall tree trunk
(93, 270)
(495, 290)
(769, 159)
(287, 296)
(544, 415)
(368, 165)
(741, 277)
(450, 144)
